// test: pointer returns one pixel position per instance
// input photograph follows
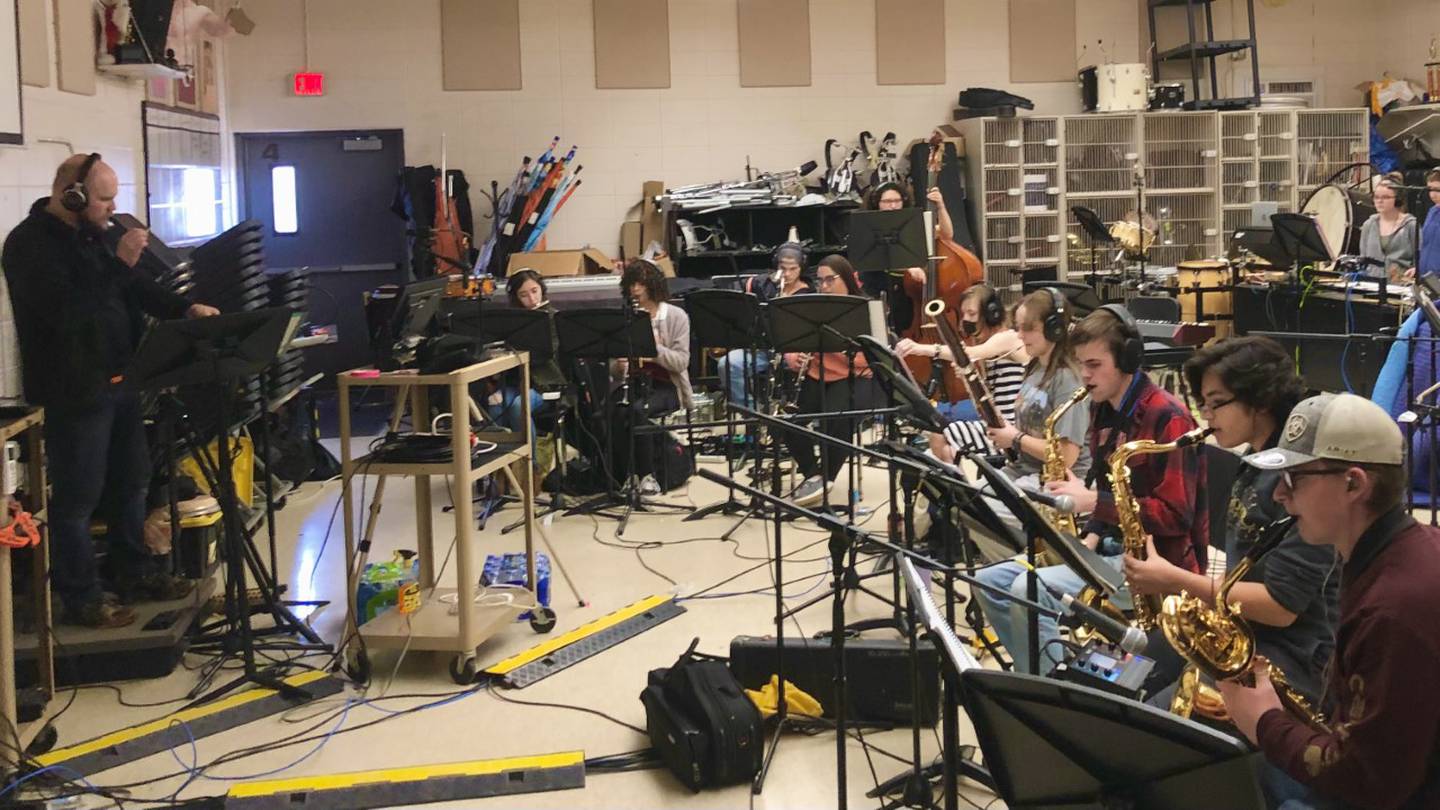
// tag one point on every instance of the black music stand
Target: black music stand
(899, 385)
(526, 330)
(815, 324)
(1040, 738)
(1094, 227)
(888, 240)
(729, 320)
(220, 351)
(1299, 238)
(1076, 555)
(610, 334)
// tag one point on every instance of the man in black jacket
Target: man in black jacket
(78, 309)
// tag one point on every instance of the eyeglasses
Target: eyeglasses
(825, 279)
(1212, 407)
(1289, 476)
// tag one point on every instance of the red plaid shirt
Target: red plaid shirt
(1170, 487)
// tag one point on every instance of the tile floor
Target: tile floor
(675, 557)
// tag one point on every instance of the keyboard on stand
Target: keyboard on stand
(1176, 333)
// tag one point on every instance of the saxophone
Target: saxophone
(1218, 642)
(1054, 468)
(1147, 606)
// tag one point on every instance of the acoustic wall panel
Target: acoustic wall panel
(910, 41)
(1042, 41)
(774, 43)
(480, 44)
(75, 46)
(34, 44)
(632, 44)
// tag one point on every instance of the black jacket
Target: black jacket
(78, 309)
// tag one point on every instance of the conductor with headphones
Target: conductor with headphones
(78, 315)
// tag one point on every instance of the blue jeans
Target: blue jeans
(731, 370)
(1283, 792)
(511, 410)
(99, 465)
(962, 411)
(1011, 619)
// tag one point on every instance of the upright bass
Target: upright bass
(952, 271)
(449, 244)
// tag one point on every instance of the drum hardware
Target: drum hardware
(1114, 87)
(1167, 96)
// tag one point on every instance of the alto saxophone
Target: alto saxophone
(1147, 606)
(1218, 642)
(1054, 468)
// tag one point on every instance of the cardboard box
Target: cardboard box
(630, 246)
(561, 262)
(652, 222)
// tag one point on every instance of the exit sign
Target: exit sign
(309, 84)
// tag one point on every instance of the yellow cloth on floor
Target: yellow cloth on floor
(767, 699)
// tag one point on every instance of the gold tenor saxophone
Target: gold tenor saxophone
(1054, 468)
(1147, 606)
(1218, 642)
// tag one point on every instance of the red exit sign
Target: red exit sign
(309, 84)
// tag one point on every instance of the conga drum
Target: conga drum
(1202, 308)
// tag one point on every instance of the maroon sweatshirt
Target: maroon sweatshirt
(1384, 687)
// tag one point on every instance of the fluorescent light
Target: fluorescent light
(282, 196)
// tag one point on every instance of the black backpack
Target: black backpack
(705, 729)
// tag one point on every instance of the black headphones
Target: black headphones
(992, 312)
(1056, 326)
(73, 198)
(1132, 353)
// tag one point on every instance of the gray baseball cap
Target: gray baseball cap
(1340, 427)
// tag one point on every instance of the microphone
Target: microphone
(1128, 638)
(1060, 503)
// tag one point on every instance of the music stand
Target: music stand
(1094, 227)
(220, 351)
(729, 320)
(820, 323)
(888, 240)
(895, 379)
(1039, 738)
(1300, 239)
(1076, 555)
(609, 334)
(1082, 298)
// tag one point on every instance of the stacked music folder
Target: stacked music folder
(229, 273)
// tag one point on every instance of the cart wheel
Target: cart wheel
(357, 666)
(542, 620)
(462, 669)
(43, 741)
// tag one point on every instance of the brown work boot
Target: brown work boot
(100, 615)
(157, 588)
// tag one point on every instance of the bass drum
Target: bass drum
(1340, 212)
(1207, 274)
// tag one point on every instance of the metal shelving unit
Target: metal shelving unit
(1203, 173)
(1200, 54)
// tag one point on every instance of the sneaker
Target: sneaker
(158, 588)
(649, 486)
(100, 615)
(810, 491)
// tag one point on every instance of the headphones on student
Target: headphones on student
(1056, 325)
(73, 198)
(1132, 353)
(992, 312)
(784, 246)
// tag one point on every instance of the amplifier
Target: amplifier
(877, 674)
